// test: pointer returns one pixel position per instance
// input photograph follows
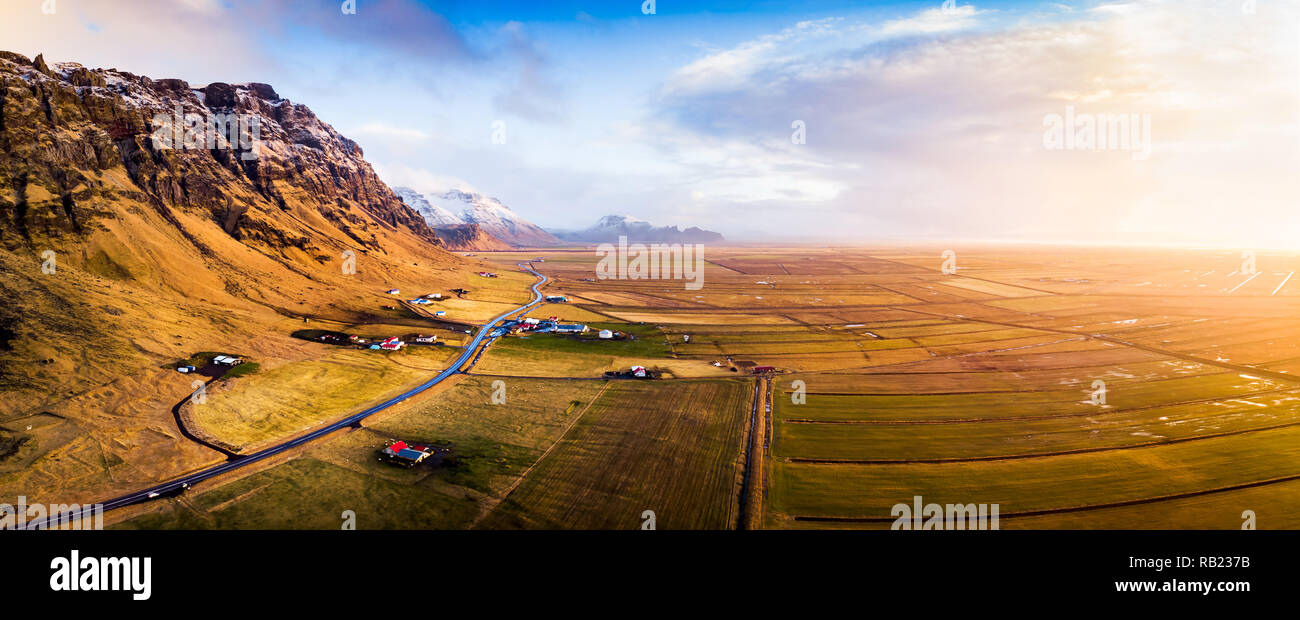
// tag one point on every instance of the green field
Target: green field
(673, 448)
(492, 445)
(1024, 485)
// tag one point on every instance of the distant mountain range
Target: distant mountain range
(454, 213)
(611, 227)
(470, 221)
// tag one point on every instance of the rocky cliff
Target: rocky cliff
(65, 131)
(145, 220)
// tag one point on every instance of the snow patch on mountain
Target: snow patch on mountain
(435, 215)
(488, 213)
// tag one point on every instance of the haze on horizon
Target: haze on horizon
(919, 120)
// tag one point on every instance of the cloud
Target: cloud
(389, 131)
(532, 94)
(942, 134)
(931, 21)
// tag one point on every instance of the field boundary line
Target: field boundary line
(1054, 416)
(1281, 376)
(1050, 511)
(749, 514)
(490, 505)
(1035, 455)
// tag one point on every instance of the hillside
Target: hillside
(160, 253)
(469, 237)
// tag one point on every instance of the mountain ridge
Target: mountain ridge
(124, 252)
(456, 207)
(610, 227)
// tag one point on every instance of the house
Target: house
(531, 321)
(392, 344)
(226, 360)
(393, 291)
(556, 299)
(433, 296)
(606, 334)
(571, 328)
(638, 371)
(440, 313)
(421, 301)
(406, 455)
(487, 274)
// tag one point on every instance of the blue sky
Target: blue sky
(920, 121)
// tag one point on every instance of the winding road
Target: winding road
(178, 485)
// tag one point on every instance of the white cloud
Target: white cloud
(942, 135)
(385, 130)
(931, 21)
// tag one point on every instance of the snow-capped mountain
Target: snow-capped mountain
(494, 218)
(435, 215)
(611, 227)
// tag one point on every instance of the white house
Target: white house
(606, 334)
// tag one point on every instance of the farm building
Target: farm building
(393, 291)
(758, 370)
(440, 313)
(227, 360)
(392, 344)
(571, 328)
(425, 339)
(606, 334)
(402, 454)
(636, 372)
(557, 299)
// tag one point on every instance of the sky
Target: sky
(774, 121)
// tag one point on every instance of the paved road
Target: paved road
(178, 485)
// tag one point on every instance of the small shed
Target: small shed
(606, 334)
